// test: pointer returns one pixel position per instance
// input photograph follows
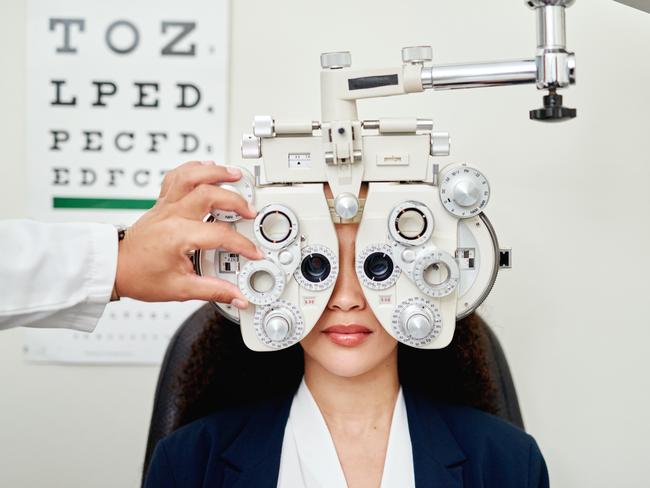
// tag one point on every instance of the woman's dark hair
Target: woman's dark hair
(222, 372)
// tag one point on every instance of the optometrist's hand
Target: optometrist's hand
(153, 263)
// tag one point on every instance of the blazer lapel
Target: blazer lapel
(253, 459)
(437, 457)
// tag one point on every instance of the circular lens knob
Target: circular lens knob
(418, 326)
(411, 223)
(275, 227)
(261, 282)
(436, 273)
(346, 206)
(416, 322)
(464, 191)
(277, 326)
(244, 187)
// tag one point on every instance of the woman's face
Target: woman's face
(348, 340)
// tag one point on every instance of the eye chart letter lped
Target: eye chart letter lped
(118, 93)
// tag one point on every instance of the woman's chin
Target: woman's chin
(349, 358)
(346, 367)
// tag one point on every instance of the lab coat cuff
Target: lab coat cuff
(83, 317)
(102, 264)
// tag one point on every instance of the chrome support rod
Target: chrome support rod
(476, 75)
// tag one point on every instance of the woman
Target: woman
(349, 407)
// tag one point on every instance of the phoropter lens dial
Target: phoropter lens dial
(375, 267)
(436, 273)
(261, 282)
(411, 223)
(279, 324)
(464, 191)
(275, 227)
(318, 269)
(416, 322)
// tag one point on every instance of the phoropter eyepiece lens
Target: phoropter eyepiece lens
(315, 267)
(378, 266)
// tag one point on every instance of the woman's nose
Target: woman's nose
(348, 294)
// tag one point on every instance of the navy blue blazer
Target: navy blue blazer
(453, 447)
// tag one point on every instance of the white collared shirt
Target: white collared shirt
(309, 458)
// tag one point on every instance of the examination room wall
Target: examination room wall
(571, 199)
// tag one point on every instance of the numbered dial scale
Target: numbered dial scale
(416, 322)
(436, 273)
(464, 190)
(279, 324)
(245, 187)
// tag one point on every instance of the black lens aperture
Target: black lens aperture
(315, 267)
(378, 266)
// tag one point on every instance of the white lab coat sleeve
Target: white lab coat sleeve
(55, 275)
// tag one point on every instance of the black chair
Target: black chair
(166, 415)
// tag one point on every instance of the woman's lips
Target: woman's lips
(347, 335)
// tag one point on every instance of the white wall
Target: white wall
(571, 199)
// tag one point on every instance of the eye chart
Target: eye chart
(118, 93)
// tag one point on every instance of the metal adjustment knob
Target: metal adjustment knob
(553, 110)
(440, 144)
(418, 326)
(464, 190)
(416, 322)
(417, 54)
(466, 193)
(263, 126)
(346, 205)
(277, 325)
(251, 147)
(336, 60)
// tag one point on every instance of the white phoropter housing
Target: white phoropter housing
(426, 253)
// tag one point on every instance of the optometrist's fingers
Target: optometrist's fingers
(218, 235)
(204, 198)
(183, 179)
(212, 289)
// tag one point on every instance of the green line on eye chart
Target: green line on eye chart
(103, 203)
